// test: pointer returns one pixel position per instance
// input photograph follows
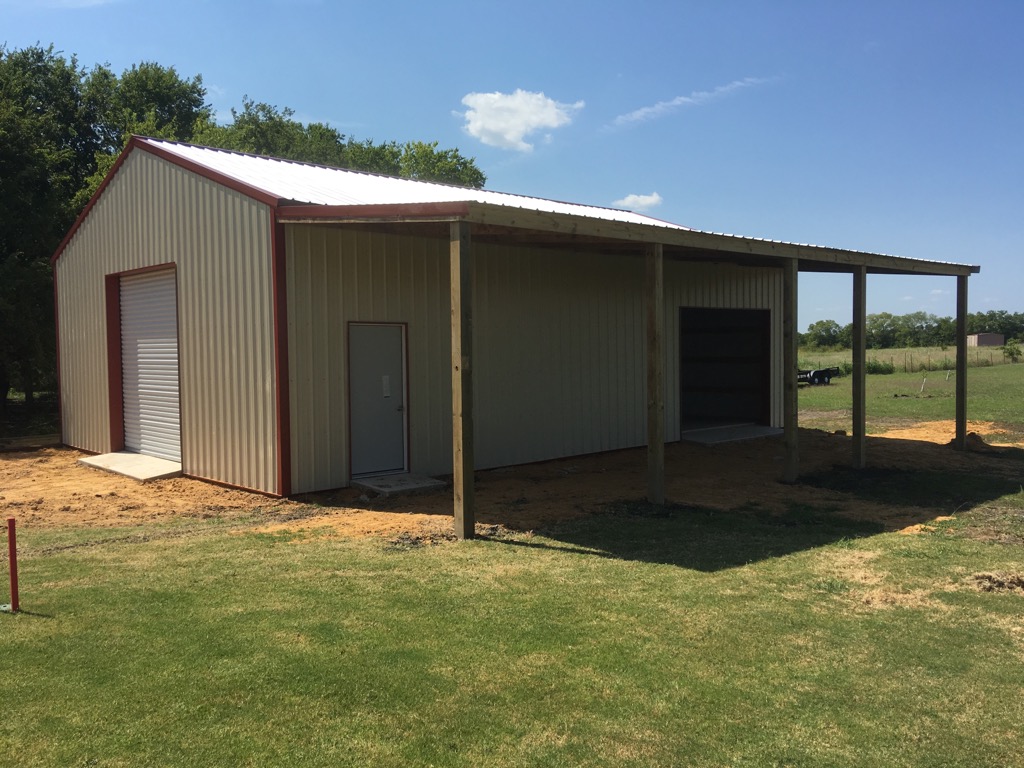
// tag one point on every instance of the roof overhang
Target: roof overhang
(554, 230)
(537, 228)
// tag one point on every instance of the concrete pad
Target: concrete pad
(134, 465)
(728, 434)
(385, 485)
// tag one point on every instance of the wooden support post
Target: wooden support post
(461, 269)
(790, 399)
(960, 439)
(655, 300)
(860, 361)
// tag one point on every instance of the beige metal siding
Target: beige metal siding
(337, 276)
(558, 351)
(154, 213)
(560, 366)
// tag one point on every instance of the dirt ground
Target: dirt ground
(49, 488)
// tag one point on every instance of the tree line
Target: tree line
(61, 129)
(917, 329)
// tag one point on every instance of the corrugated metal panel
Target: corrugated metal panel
(320, 185)
(155, 213)
(559, 349)
(340, 276)
(149, 365)
(559, 355)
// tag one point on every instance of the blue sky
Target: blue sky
(895, 127)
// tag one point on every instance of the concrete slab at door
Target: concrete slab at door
(377, 398)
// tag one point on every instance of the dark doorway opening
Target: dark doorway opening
(724, 366)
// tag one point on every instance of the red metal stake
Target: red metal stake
(12, 551)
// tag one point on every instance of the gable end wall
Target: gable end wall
(151, 213)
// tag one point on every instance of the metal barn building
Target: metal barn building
(285, 327)
(986, 340)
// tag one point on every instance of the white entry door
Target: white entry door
(376, 365)
(149, 364)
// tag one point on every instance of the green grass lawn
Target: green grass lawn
(637, 637)
(994, 394)
(634, 637)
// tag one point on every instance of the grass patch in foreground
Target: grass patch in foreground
(692, 637)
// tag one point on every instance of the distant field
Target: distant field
(994, 394)
(906, 360)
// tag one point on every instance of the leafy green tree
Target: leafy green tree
(260, 129)
(1012, 351)
(426, 162)
(823, 334)
(61, 129)
(47, 151)
(147, 100)
(1011, 325)
(880, 330)
(365, 155)
(265, 129)
(942, 333)
(158, 98)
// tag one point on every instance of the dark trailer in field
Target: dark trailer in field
(287, 327)
(815, 376)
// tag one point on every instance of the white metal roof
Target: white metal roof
(322, 185)
(305, 183)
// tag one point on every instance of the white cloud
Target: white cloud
(695, 99)
(939, 292)
(505, 120)
(639, 202)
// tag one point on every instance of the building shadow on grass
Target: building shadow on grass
(709, 540)
(696, 538)
(921, 488)
(734, 511)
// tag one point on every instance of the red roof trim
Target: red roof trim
(303, 212)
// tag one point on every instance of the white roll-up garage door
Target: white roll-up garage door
(149, 364)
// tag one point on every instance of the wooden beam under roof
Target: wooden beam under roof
(671, 235)
(538, 228)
